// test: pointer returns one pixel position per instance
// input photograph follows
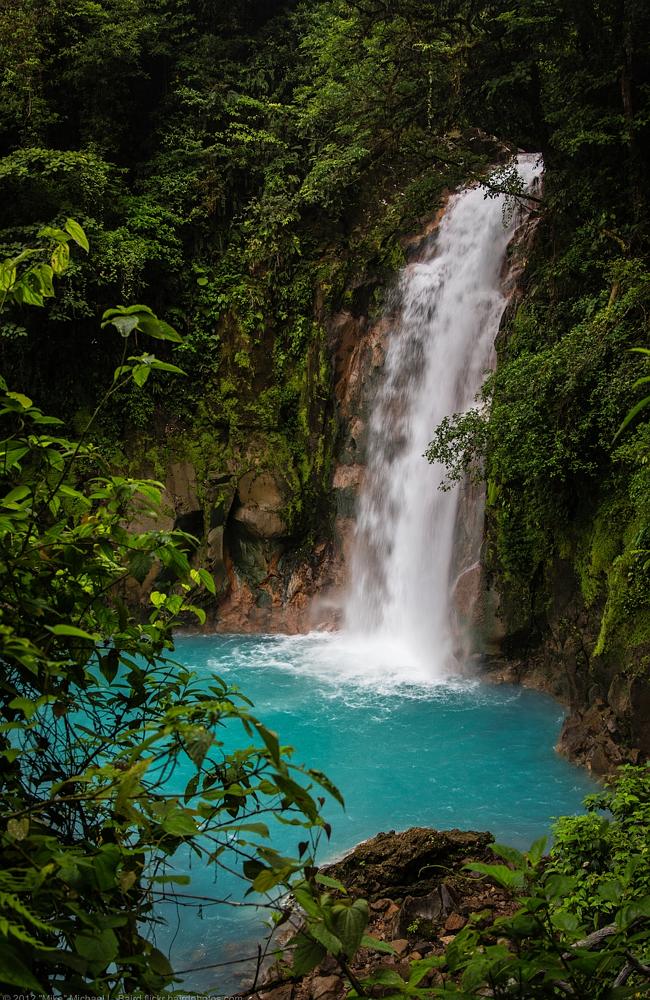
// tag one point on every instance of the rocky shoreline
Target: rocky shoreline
(420, 897)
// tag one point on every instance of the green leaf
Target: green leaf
(631, 415)
(295, 793)
(419, 969)
(77, 234)
(125, 325)
(536, 851)
(208, 581)
(158, 329)
(498, 873)
(12, 498)
(305, 899)
(387, 977)
(101, 948)
(72, 631)
(324, 936)
(510, 854)
(140, 374)
(25, 705)
(15, 973)
(331, 883)
(307, 954)
(559, 886)
(565, 921)
(60, 258)
(629, 914)
(24, 401)
(179, 823)
(18, 828)
(350, 925)
(271, 740)
(367, 941)
(266, 879)
(328, 785)
(160, 963)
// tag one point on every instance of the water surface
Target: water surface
(404, 748)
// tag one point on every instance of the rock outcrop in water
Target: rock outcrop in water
(420, 897)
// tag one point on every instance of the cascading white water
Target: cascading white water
(450, 306)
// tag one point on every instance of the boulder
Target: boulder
(411, 863)
(260, 505)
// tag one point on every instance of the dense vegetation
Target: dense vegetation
(246, 169)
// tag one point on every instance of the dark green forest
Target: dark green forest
(247, 170)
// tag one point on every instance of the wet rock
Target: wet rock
(589, 738)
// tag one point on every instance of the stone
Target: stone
(400, 946)
(348, 476)
(182, 487)
(215, 551)
(279, 993)
(447, 939)
(326, 986)
(455, 922)
(413, 862)
(432, 908)
(259, 505)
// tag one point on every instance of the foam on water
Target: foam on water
(345, 664)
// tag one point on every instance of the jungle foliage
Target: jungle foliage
(246, 168)
(95, 714)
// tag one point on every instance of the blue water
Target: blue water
(404, 751)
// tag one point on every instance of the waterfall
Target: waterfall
(449, 307)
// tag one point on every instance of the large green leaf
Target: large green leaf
(101, 948)
(307, 954)
(350, 924)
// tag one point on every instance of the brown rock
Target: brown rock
(347, 476)
(413, 862)
(455, 922)
(279, 993)
(324, 987)
(400, 946)
(447, 939)
(261, 503)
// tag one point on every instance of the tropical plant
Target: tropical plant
(95, 714)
